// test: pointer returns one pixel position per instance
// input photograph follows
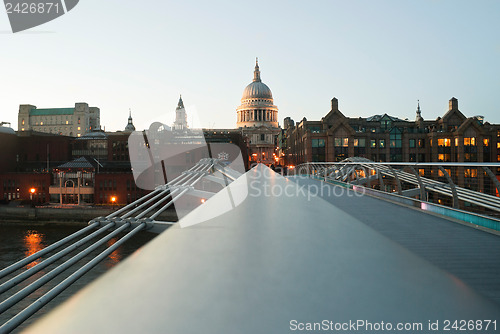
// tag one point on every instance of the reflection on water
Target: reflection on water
(114, 257)
(33, 243)
(19, 241)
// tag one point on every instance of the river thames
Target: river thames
(19, 241)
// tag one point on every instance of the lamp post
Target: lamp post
(32, 191)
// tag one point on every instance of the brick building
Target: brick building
(451, 138)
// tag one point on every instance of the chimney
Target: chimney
(453, 105)
(335, 104)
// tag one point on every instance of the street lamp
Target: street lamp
(32, 191)
(113, 201)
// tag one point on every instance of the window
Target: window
(470, 141)
(446, 142)
(314, 129)
(78, 120)
(412, 143)
(456, 142)
(444, 157)
(373, 143)
(385, 124)
(486, 142)
(318, 143)
(421, 143)
(262, 137)
(341, 142)
(381, 143)
(23, 121)
(78, 129)
(359, 142)
(470, 172)
(318, 149)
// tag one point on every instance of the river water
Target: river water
(19, 241)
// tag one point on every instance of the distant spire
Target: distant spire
(419, 116)
(180, 105)
(256, 73)
(130, 126)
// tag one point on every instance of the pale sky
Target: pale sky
(375, 56)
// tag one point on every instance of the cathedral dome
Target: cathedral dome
(257, 105)
(257, 90)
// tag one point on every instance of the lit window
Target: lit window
(23, 122)
(373, 143)
(359, 142)
(66, 122)
(444, 142)
(41, 123)
(78, 135)
(78, 128)
(456, 142)
(470, 141)
(381, 143)
(486, 142)
(498, 144)
(22, 129)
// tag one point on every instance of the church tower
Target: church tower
(180, 116)
(130, 126)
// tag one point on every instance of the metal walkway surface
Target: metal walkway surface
(271, 260)
(471, 255)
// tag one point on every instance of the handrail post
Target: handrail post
(452, 186)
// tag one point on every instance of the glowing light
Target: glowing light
(113, 199)
(33, 242)
(202, 200)
(32, 190)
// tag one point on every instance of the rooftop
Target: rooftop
(52, 111)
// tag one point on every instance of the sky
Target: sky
(376, 57)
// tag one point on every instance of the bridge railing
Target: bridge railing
(469, 186)
(143, 214)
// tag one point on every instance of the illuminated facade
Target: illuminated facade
(73, 122)
(451, 138)
(257, 117)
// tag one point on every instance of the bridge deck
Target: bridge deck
(253, 269)
(471, 255)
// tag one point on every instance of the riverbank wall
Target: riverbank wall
(60, 215)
